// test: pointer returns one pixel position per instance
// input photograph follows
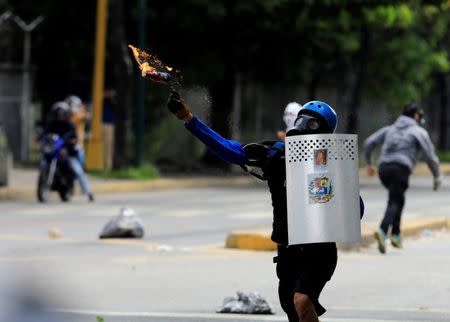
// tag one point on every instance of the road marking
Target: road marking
(188, 212)
(28, 259)
(213, 316)
(392, 309)
(19, 237)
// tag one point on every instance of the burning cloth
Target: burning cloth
(153, 68)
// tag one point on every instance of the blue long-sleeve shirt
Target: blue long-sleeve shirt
(228, 150)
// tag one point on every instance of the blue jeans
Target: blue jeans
(81, 155)
(78, 169)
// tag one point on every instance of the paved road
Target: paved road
(130, 283)
(181, 271)
(192, 217)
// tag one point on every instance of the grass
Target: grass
(444, 156)
(144, 172)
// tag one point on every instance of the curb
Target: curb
(117, 186)
(420, 169)
(260, 239)
(5, 194)
(172, 183)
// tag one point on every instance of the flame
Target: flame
(139, 55)
(153, 68)
(146, 68)
(145, 60)
(135, 52)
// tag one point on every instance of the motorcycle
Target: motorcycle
(55, 173)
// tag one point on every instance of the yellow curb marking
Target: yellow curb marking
(250, 241)
(262, 241)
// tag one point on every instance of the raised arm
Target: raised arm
(228, 150)
(372, 142)
(431, 158)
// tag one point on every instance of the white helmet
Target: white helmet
(60, 106)
(74, 102)
(60, 110)
(290, 114)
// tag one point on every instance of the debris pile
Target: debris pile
(245, 303)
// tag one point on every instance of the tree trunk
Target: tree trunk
(355, 99)
(122, 76)
(443, 114)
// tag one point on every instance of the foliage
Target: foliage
(173, 146)
(444, 156)
(383, 51)
(407, 53)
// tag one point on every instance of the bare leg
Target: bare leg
(305, 308)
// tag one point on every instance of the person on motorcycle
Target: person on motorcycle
(61, 126)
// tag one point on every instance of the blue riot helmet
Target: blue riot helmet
(314, 118)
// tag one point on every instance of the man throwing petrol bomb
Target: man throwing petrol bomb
(303, 270)
(400, 143)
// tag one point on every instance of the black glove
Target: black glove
(177, 106)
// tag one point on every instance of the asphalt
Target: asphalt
(23, 187)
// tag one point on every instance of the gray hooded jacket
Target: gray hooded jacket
(401, 142)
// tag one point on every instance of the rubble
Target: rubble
(245, 303)
(127, 224)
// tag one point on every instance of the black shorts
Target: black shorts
(304, 269)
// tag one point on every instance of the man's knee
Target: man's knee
(303, 305)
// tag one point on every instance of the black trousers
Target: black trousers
(395, 177)
(304, 269)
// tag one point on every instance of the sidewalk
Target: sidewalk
(23, 182)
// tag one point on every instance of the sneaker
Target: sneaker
(396, 241)
(380, 236)
(91, 197)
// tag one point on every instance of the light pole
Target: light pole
(26, 88)
(95, 148)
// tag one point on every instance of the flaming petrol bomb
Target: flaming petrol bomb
(153, 68)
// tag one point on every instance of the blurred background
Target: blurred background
(242, 63)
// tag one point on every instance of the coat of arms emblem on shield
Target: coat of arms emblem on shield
(320, 189)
